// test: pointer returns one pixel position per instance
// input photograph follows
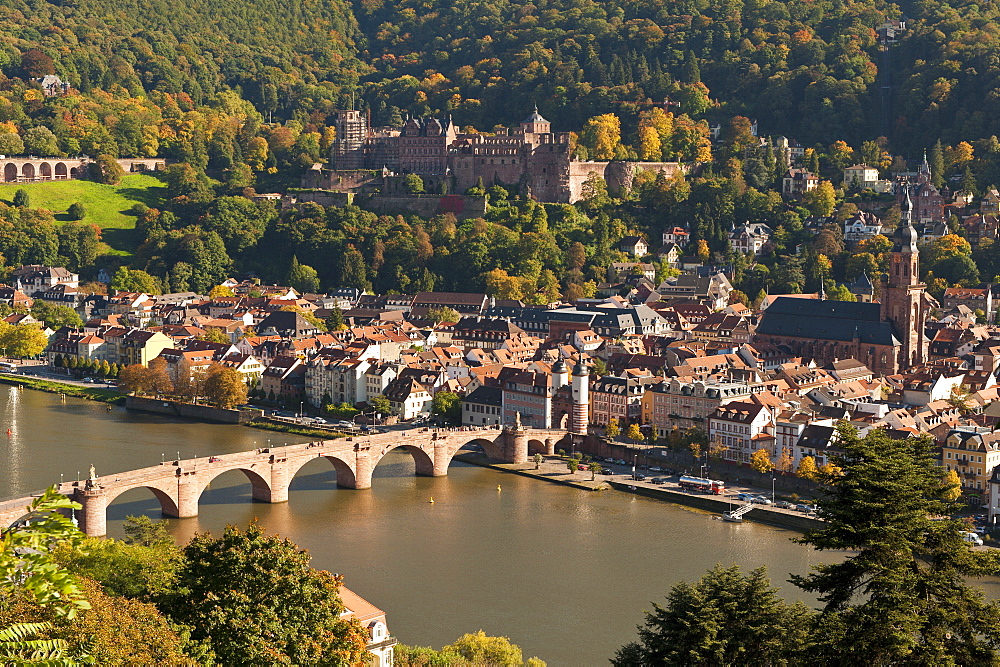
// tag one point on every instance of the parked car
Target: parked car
(973, 538)
(784, 504)
(639, 477)
(655, 469)
(801, 507)
(607, 471)
(345, 424)
(620, 462)
(745, 497)
(761, 500)
(659, 480)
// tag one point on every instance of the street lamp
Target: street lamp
(772, 489)
(634, 457)
(301, 404)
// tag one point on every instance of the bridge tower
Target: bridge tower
(581, 400)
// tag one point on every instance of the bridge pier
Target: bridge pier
(277, 490)
(188, 493)
(92, 516)
(517, 446)
(550, 447)
(362, 470)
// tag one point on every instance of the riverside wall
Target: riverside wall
(190, 410)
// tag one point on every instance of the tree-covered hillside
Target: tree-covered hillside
(808, 69)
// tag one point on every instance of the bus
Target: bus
(713, 486)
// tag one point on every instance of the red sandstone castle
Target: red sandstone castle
(531, 160)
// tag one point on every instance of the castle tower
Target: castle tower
(560, 374)
(903, 296)
(581, 400)
(535, 124)
(352, 130)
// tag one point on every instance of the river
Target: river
(566, 574)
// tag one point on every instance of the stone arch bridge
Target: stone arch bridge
(178, 485)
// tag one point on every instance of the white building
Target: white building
(742, 428)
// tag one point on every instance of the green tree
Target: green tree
(537, 458)
(726, 618)
(76, 211)
(21, 198)
(573, 464)
(107, 170)
(447, 405)
(413, 184)
(444, 314)
(821, 200)
(612, 430)
(254, 598)
(27, 566)
(335, 320)
(302, 277)
(478, 648)
(902, 593)
(215, 335)
(380, 404)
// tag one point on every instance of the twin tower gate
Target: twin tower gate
(178, 485)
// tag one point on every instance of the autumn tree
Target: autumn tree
(807, 468)
(822, 199)
(785, 461)
(602, 137)
(633, 432)
(612, 429)
(224, 387)
(760, 461)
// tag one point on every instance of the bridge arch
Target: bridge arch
(490, 448)
(422, 461)
(168, 503)
(10, 172)
(536, 446)
(60, 170)
(346, 476)
(28, 170)
(45, 170)
(260, 487)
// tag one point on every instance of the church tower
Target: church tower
(903, 303)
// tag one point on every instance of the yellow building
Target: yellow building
(973, 456)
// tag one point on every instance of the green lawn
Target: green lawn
(106, 205)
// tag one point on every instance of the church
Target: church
(888, 337)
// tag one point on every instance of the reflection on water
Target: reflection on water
(564, 573)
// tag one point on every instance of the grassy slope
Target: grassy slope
(106, 205)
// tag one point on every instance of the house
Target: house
(484, 406)
(669, 253)
(617, 398)
(287, 324)
(372, 619)
(712, 290)
(32, 278)
(860, 176)
(461, 302)
(678, 404)
(741, 428)
(623, 270)
(408, 398)
(127, 346)
(975, 298)
(676, 235)
(337, 380)
(634, 245)
(974, 455)
(990, 204)
(750, 238)
(285, 377)
(860, 226)
(797, 182)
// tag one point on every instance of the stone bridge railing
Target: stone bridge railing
(178, 485)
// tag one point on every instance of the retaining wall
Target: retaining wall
(190, 410)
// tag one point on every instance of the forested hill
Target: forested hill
(276, 51)
(807, 69)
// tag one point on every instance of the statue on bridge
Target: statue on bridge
(517, 421)
(92, 480)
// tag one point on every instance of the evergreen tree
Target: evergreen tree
(936, 161)
(901, 595)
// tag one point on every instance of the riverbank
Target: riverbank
(553, 470)
(315, 433)
(52, 387)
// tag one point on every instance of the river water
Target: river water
(564, 573)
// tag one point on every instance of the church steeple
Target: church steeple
(903, 303)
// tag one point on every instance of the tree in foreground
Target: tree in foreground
(726, 618)
(255, 599)
(902, 595)
(474, 648)
(760, 461)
